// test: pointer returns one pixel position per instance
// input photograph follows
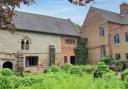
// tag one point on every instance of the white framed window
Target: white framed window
(116, 39)
(101, 31)
(70, 41)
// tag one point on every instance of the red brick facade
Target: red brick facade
(68, 43)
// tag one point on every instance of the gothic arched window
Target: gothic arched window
(22, 44)
(27, 45)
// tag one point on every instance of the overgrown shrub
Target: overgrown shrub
(81, 51)
(102, 67)
(75, 70)
(125, 74)
(88, 68)
(117, 65)
(107, 59)
(67, 67)
(5, 83)
(54, 69)
(125, 78)
(6, 72)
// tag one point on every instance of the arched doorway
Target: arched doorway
(7, 65)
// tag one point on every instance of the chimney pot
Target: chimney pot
(124, 8)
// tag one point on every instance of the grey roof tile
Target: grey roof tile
(46, 24)
(112, 16)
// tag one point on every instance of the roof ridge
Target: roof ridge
(104, 10)
(41, 15)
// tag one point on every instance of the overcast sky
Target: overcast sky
(64, 9)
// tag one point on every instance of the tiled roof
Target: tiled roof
(112, 16)
(46, 24)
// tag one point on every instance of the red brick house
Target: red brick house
(107, 33)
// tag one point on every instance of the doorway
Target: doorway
(8, 65)
(73, 60)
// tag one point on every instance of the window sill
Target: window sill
(116, 44)
(32, 66)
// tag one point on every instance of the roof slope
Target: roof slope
(46, 24)
(112, 16)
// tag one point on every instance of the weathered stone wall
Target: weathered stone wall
(10, 44)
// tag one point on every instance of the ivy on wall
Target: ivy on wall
(81, 51)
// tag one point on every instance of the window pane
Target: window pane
(22, 44)
(117, 56)
(116, 39)
(27, 45)
(103, 51)
(65, 59)
(101, 31)
(126, 55)
(126, 36)
(31, 61)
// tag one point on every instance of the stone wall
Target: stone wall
(10, 45)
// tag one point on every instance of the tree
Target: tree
(7, 10)
(81, 51)
(80, 2)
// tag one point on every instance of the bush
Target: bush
(88, 69)
(5, 83)
(67, 67)
(106, 60)
(75, 70)
(54, 69)
(6, 72)
(125, 74)
(117, 65)
(125, 78)
(102, 67)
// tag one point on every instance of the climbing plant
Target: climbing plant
(81, 51)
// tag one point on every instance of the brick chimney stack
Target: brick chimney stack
(124, 8)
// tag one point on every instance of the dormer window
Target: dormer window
(101, 31)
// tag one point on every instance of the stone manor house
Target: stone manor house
(38, 42)
(107, 33)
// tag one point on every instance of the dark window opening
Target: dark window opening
(101, 30)
(31, 61)
(70, 41)
(126, 36)
(103, 51)
(7, 65)
(117, 56)
(126, 55)
(22, 44)
(27, 45)
(73, 60)
(116, 39)
(65, 59)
